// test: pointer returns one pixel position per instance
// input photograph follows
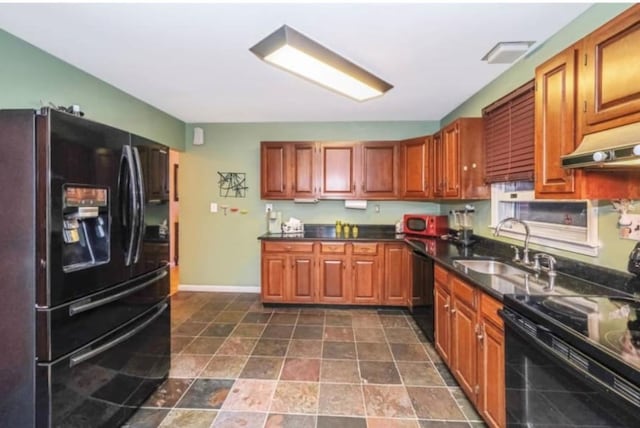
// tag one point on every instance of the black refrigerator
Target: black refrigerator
(84, 309)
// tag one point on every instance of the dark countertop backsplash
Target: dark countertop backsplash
(582, 277)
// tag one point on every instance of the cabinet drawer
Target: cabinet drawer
(288, 247)
(463, 291)
(333, 247)
(441, 275)
(489, 308)
(370, 248)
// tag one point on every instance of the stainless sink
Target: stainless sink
(490, 267)
(505, 278)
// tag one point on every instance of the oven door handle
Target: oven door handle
(74, 361)
(83, 307)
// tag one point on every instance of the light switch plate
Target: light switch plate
(213, 207)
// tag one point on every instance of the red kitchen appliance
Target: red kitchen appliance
(425, 224)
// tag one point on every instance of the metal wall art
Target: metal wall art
(232, 184)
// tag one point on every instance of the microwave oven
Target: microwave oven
(425, 224)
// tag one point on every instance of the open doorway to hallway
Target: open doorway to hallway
(174, 218)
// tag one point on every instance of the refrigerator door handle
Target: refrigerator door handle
(85, 306)
(128, 193)
(74, 361)
(141, 208)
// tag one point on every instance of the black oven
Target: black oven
(559, 375)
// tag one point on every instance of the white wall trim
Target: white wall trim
(219, 288)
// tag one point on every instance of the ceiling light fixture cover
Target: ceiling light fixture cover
(294, 52)
(506, 52)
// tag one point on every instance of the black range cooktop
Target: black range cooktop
(605, 327)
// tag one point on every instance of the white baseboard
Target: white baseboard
(219, 288)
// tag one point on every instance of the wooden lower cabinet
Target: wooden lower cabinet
(288, 273)
(469, 336)
(335, 272)
(333, 280)
(463, 335)
(442, 298)
(491, 400)
(397, 271)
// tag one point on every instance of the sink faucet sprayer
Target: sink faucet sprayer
(525, 252)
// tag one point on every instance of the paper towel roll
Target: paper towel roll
(356, 204)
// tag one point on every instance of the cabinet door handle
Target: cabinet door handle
(453, 310)
(480, 333)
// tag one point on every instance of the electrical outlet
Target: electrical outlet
(213, 207)
(268, 208)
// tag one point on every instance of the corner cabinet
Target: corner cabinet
(469, 336)
(611, 73)
(459, 157)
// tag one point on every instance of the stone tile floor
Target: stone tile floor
(236, 363)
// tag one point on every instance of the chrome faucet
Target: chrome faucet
(551, 263)
(525, 252)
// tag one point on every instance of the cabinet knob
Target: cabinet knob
(446, 306)
(453, 310)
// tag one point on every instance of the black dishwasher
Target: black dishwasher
(422, 296)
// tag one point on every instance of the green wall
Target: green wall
(224, 250)
(613, 251)
(30, 76)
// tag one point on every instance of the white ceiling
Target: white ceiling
(193, 61)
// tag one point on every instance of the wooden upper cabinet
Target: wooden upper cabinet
(556, 134)
(459, 161)
(274, 174)
(288, 170)
(555, 124)
(338, 170)
(611, 73)
(416, 170)
(451, 160)
(304, 173)
(380, 168)
(437, 185)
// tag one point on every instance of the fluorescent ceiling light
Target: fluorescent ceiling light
(506, 52)
(288, 49)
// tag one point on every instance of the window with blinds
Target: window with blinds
(509, 134)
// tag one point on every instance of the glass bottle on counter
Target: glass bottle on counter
(338, 227)
(346, 230)
(354, 230)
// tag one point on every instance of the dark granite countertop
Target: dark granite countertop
(328, 233)
(574, 277)
(567, 282)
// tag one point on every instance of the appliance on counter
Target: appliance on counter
(274, 222)
(425, 224)
(422, 301)
(462, 225)
(91, 316)
(572, 360)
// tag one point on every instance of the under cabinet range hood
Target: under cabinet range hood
(616, 148)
